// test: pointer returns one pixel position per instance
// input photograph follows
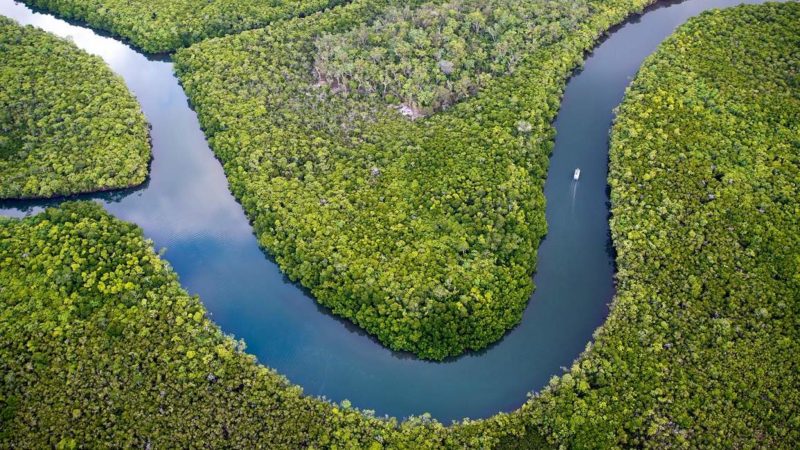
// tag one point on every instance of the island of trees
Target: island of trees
(68, 124)
(99, 345)
(423, 232)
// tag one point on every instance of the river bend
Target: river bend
(186, 208)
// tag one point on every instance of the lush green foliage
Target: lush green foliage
(159, 26)
(702, 348)
(430, 57)
(422, 232)
(100, 347)
(67, 123)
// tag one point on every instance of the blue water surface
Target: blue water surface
(187, 209)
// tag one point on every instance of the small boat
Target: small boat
(577, 174)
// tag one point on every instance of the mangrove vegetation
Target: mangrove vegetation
(68, 124)
(101, 347)
(423, 232)
(161, 26)
(701, 347)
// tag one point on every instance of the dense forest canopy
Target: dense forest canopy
(67, 123)
(702, 347)
(99, 345)
(424, 233)
(159, 26)
(430, 57)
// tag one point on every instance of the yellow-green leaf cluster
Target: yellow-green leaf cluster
(68, 124)
(160, 26)
(701, 349)
(423, 232)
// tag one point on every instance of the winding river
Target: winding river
(186, 208)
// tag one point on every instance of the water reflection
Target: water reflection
(187, 208)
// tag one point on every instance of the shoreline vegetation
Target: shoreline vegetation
(423, 233)
(101, 346)
(62, 132)
(704, 171)
(163, 26)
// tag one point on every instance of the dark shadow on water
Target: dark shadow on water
(156, 57)
(109, 196)
(117, 195)
(347, 323)
(112, 195)
(455, 387)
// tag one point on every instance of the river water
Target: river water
(186, 208)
